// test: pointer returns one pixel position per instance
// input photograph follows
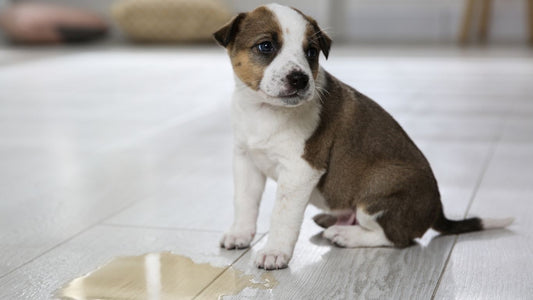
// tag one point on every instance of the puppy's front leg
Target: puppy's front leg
(249, 184)
(294, 189)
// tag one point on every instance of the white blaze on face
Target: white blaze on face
(291, 56)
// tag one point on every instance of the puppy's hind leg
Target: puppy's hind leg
(353, 236)
(367, 234)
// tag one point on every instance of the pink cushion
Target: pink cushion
(44, 23)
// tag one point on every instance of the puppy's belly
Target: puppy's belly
(318, 200)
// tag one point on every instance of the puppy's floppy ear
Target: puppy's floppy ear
(323, 39)
(227, 33)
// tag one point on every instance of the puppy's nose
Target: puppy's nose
(297, 80)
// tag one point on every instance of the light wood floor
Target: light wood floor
(107, 152)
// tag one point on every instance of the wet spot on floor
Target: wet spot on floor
(161, 276)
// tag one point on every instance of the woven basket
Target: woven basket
(169, 20)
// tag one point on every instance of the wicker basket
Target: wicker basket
(169, 20)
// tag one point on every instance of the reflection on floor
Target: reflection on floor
(119, 152)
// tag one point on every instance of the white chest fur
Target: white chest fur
(273, 137)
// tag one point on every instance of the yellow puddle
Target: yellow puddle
(161, 276)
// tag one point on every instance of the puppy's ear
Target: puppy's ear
(323, 39)
(225, 35)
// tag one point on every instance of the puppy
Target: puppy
(324, 143)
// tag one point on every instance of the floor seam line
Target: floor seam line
(444, 267)
(47, 251)
(65, 241)
(159, 227)
(226, 269)
(206, 110)
(486, 164)
(482, 175)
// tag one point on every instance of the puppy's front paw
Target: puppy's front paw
(270, 259)
(237, 239)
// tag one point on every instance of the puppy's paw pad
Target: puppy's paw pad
(237, 239)
(272, 260)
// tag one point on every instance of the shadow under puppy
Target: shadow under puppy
(324, 143)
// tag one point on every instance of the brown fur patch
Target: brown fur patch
(311, 41)
(370, 162)
(257, 26)
(316, 35)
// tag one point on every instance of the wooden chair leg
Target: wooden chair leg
(468, 13)
(530, 20)
(484, 20)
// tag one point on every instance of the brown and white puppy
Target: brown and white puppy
(324, 143)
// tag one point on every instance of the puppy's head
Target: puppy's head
(274, 51)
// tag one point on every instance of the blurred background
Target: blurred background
(354, 21)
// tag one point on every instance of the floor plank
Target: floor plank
(497, 264)
(319, 270)
(90, 250)
(493, 264)
(63, 136)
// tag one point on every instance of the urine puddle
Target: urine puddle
(161, 276)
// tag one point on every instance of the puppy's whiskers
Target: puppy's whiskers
(323, 90)
(320, 93)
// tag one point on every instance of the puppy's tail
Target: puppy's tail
(446, 226)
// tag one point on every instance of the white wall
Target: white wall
(428, 20)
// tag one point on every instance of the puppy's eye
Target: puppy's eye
(266, 47)
(312, 52)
